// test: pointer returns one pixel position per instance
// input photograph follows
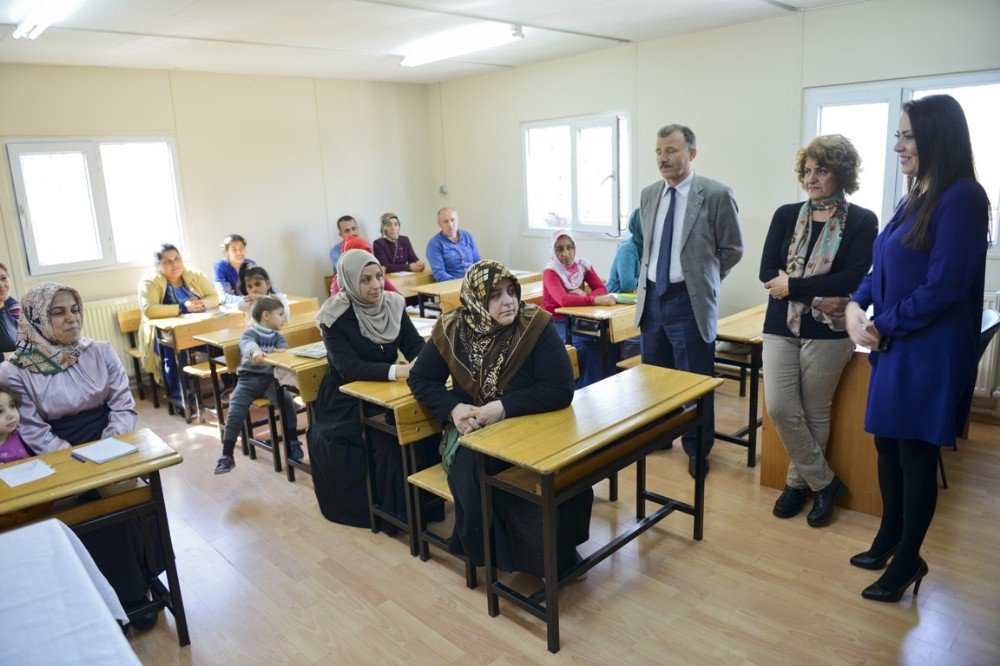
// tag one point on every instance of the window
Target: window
(868, 115)
(577, 174)
(94, 203)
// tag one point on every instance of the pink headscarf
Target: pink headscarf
(572, 275)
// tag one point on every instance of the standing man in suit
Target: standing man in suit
(692, 240)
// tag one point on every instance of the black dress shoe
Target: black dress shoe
(691, 462)
(790, 502)
(822, 510)
(873, 561)
(877, 593)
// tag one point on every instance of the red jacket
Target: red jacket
(555, 295)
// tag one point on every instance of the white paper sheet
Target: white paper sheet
(104, 450)
(25, 472)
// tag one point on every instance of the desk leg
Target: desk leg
(699, 473)
(409, 467)
(640, 488)
(217, 393)
(163, 374)
(369, 466)
(755, 363)
(605, 333)
(486, 491)
(420, 303)
(176, 602)
(550, 539)
(569, 330)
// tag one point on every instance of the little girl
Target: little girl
(254, 283)
(11, 445)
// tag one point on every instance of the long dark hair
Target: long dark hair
(247, 273)
(944, 155)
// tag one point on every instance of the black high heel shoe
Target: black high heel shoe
(868, 560)
(876, 593)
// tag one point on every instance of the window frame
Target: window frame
(90, 147)
(613, 121)
(895, 92)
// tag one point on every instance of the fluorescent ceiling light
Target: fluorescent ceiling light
(458, 42)
(41, 16)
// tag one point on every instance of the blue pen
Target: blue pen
(77, 457)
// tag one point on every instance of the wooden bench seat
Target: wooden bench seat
(434, 480)
(128, 324)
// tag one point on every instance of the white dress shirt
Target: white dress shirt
(680, 208)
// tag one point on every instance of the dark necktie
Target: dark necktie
(666, 241)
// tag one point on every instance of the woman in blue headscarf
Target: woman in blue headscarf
(624, 275)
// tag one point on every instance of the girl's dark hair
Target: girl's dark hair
(247, 273)
(15, 397)
(944, 155)
(163, 249)
(230, 239)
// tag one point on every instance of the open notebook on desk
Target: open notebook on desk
(315, 350)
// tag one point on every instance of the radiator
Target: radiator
(986, 379)
(100, 322)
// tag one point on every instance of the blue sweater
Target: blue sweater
(261, 338)
(624, 274)
(450, 260)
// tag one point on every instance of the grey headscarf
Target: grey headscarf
(379, 322)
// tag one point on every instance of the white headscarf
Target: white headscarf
(572, 275)
(379, 321)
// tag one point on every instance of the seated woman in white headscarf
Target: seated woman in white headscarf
(505, 359)
(74, 390)
(364, 329)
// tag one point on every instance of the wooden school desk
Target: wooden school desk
(178, 333)
(745, 328)
(406, 281)
(850, 450)
(54, 497)
(447, 292)
(611, 424)
(615, 324)
(409, 422)
(224, 344)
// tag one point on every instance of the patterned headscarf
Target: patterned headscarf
(572, 275)
(826, 310)
(490, 354)
(379, 321)
(382, 221)
(38, 350)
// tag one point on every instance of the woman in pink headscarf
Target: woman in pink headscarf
(567, 281)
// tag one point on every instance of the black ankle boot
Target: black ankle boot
(790, 502)
(873, 561)
(822, 510)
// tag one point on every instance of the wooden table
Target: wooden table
(178, 333)
(227, 343)
(54, 497)
(745, 328)
(850, 450)
(448, 292)
(556, 455)
(409, 422)
(615, 324)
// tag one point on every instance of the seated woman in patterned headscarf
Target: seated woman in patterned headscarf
(505, 359)
(74, 390)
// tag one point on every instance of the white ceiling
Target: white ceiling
(354, 39)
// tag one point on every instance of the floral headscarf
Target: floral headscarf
(572, 275)
(490, 354)
(380, 321)
(37, 349)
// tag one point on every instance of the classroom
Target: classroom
(270, 128)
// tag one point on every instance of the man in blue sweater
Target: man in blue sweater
(255, 379)
(451, 252)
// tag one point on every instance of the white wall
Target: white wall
(740, 88)
(276, 159)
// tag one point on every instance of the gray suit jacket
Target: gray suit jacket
(712, 243)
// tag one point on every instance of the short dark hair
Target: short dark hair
(230, 239)
(163, 249)
(15, 397)
(247, 273)
(265, 304)
(345, 218)
(667, 130)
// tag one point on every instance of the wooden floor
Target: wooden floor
(267, 580)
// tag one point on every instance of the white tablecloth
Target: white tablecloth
(55, 606)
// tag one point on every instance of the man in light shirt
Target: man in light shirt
(692, 239)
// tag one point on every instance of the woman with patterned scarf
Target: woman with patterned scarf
(815, 255)
(505, 359)
(74, 390)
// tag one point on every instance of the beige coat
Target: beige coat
(152, 288)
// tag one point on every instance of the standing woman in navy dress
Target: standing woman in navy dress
(926, 286)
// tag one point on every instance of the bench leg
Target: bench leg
(743, 382)
(486, 495)
(549, 539)
(640, 489)
(275, 441)
(138, 379)
(613, 487)
(154, 390)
